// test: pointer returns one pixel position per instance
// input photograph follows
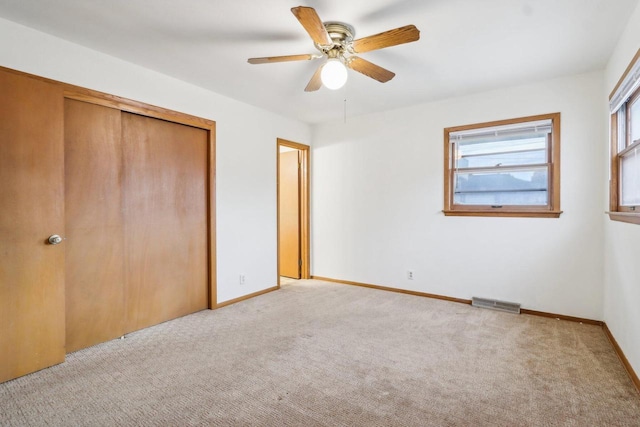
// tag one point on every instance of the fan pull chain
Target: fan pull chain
(345, 111)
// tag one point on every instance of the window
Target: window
(624, 193)
(505, 168)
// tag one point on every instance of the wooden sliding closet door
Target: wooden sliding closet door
(31, 210)
(94, 223)
(136, 217)
(165, 196)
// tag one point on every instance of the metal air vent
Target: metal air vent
(510, 307)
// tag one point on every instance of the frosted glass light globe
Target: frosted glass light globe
(333, 74)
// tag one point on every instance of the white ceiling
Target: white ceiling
(465, 45)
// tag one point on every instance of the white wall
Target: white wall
(245, 142)
(377, 186)
(622, 240)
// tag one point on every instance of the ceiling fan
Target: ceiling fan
(335, 41)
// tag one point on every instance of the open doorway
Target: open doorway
(293, 211)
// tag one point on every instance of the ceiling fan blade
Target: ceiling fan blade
(370, 69)
(316, 82)
(312, 23)
(286, 58)
(406, 34)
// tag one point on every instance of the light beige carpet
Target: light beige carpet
(322, 354)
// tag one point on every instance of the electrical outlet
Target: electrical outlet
(242, 279)
(410, 274)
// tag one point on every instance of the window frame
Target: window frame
(550, 210)
(617, 212)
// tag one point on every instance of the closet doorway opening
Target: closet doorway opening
(293, 211)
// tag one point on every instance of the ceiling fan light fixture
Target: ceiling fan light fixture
(333, 74)
(335, 41)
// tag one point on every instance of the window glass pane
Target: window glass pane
(522, 151)
(630, 178)
(634, 125)
(502, 187)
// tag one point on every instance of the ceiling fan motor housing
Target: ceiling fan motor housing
(341, 34)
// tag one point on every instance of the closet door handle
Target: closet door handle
(54, 239)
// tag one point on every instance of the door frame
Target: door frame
(304, 151)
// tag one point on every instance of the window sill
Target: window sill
(630, 217)
(505, 213)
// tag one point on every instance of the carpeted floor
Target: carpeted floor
(323, 354)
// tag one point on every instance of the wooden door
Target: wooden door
(289, 227)
(165, 201)
(31, 209)
(94, 224)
